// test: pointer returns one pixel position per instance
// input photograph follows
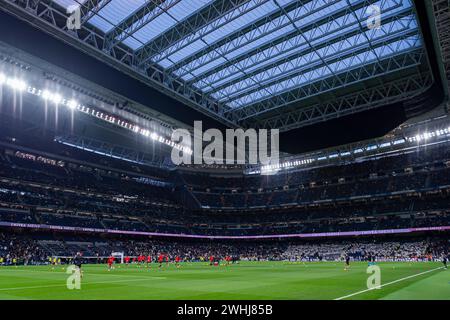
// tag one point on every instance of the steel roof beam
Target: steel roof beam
(238, 33)
(270, 24)
(266, 55)
(91, 8)
(386, 93)
(292, 70)
(138, 19)
(186, 28)
(353, 76)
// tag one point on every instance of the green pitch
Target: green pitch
(248, 280)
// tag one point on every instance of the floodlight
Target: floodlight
(16, 84)
(72, 104)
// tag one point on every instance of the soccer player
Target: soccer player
(211, 260)
(444, 261)
(369, 258)
(160, 260)
(139, 260)
(347, 262)
(77, 261)
(110, 263)
(127, 260)
(53, 262)
(149, 261)
(177, 261)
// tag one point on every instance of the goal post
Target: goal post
(118, 255)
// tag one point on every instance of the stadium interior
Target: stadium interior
(92, 90)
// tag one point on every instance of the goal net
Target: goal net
(118, 255)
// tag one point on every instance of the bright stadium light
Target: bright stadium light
(45, 95)
(53, 97)
(72, 104)
(154, 136)
(57, 98)
(16, 84)
(20, 85)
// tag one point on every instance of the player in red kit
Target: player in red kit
(177, 261)
(211, 260)
(127, 260)
(160, 259)
(149, 260)
(110, 263)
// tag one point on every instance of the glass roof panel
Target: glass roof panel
(240, 56)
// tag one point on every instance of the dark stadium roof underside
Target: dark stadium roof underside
(263, 63)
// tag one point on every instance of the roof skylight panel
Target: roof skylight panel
(275, 25)
(336, 51)
(166, 63)
(234, 26)
(339, 66)
(334, 28)
(184, 9)
(242, 21)
(192, 48)
(153, 29)
(67, 3)
(234, 48)
(259, 42)
(280, 87)
(211, 64)
(245, 48)
(132, 43)
(314, 75)
(271, 74)
(326, 10)
(165, 21)
(233, 72)
(303, 11)
(115, 12)
(206, 86)
(291, 46)
(198, 34)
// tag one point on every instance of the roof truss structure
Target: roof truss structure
(259, 63)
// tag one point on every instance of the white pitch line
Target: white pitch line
(98, 282)
(389, 283)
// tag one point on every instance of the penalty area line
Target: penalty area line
(387, 284)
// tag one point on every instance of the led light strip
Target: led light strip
(428, 135)
(297, 163)
(21, 86)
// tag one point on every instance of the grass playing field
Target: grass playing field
(248, 280)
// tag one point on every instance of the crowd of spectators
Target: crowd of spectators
(401, 191)
(28, 250)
